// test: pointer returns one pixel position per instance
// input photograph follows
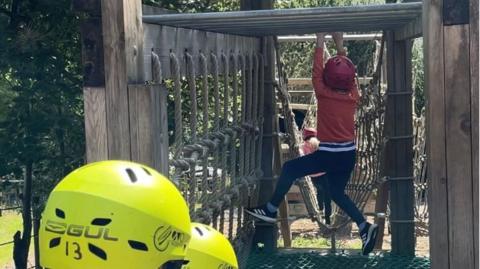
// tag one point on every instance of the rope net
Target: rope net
(420, 174)
(217, 130)
(316, 259)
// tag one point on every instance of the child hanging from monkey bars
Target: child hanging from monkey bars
(337, 99)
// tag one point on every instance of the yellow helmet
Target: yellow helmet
(114, 214)
(209, 249)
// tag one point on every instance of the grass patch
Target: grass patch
(320, 242)
(10, 222)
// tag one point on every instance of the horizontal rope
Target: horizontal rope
(399, 93)
(387, 178)
(402, 221)
(399, 137)
(11, 242)
(10, 208)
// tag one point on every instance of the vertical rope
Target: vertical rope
(237, 60)
(248, 112)
(260, 113)
(244, 152)
(193, 95)
(216, 125)
(205, 122)
(157, 76)
(178, 141)
(226, 104)
(254, 118)
(193, 127)
(243, 114)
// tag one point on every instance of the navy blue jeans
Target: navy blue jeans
(323, 193)
(337, 165)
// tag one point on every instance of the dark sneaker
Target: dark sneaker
(369, 237)
(327, 220)
(262, 213)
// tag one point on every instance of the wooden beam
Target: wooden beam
(163, 40)
(452, 90)
(267, 234)
(356, 18)
(297, 106)
(312, 38)
(455, 12)
(437, 171)
(95, 124)
(283, 211)
(92, 52)
(152, 10)
(122, 40)
(411, 30)
(458, 145)
(149, 125)
(308, 81)
(474, 59)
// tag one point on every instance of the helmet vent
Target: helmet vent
(146, 171)
(137, 245)
(199, 231)
(97, 251)
(174, 264)
(131, 175)
(101, 221)
(55, 242)
(59, 213)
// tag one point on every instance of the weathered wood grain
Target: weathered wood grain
(458, 145)
(95, 124)
(437, 172)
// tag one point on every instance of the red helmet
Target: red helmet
(339, 73)
(309, 132)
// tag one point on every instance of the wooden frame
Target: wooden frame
(114, 67)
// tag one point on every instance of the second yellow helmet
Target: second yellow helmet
(209, 249)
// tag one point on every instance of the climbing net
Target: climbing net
(420, 174)
(216, 163)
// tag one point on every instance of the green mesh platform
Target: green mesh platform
(314, 260)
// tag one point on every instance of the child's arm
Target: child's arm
(317, 72)
(338, 39)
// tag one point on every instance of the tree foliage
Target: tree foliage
(41, 108)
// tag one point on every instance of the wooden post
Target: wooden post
(283, 209)
(267, 234)
(474, 87)
(451, 80)
(149, 125)
(399, 149)
(381, 207)
(112, 44)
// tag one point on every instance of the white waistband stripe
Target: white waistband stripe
(337, 149)
(337, 143)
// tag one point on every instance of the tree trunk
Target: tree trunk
(36, 242)
(22, 243)
(14, 16)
